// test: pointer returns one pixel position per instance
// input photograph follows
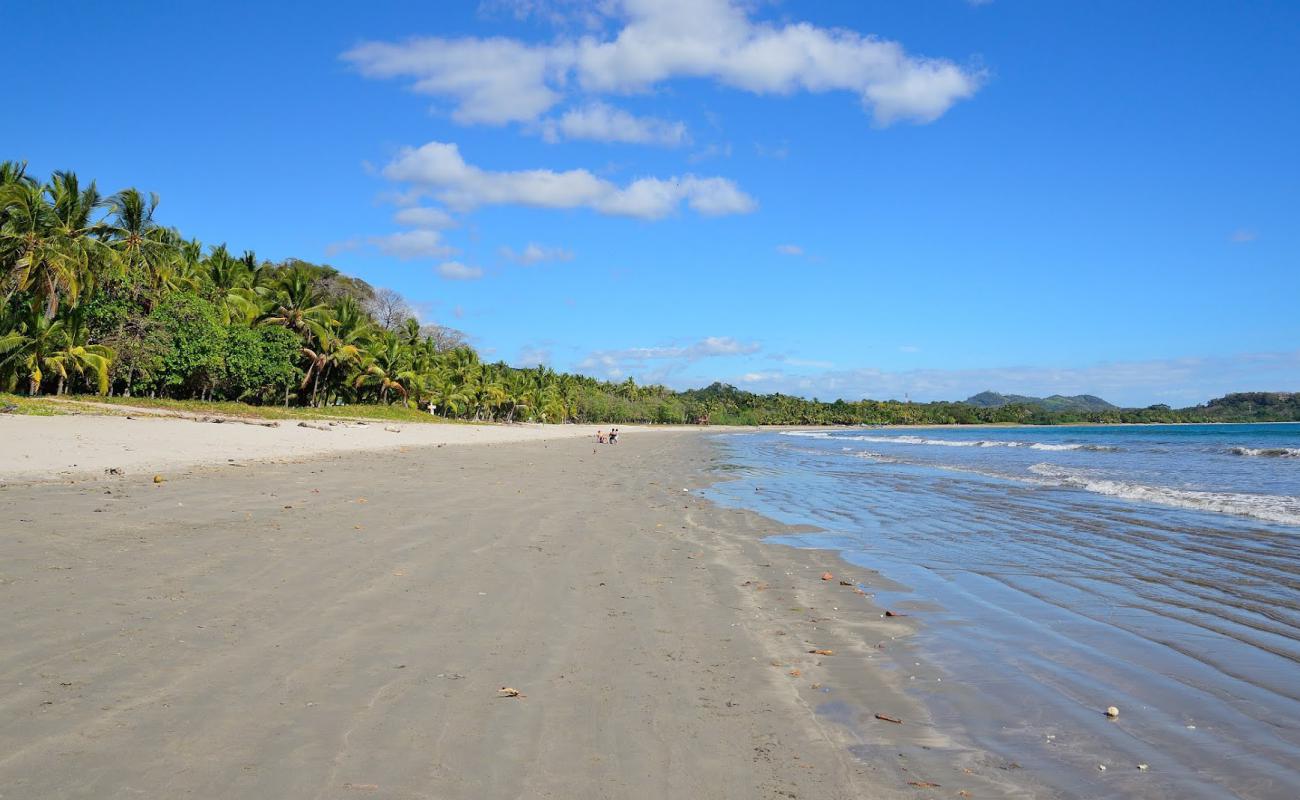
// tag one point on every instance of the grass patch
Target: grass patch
(31, 406)
(378, 413)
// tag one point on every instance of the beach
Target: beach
(342, 626)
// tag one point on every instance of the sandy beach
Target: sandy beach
(341, 626)
(78, 446)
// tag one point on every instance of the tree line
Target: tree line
(98, 296)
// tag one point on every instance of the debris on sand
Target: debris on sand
(1112, 712)
(826, 576)
(822, 652)
(887, 718)
(158, 479)
(506, 691)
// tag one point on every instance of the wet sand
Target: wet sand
(340, 628)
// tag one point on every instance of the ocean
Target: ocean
(1060, 570)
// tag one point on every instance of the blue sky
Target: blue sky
(829, 199)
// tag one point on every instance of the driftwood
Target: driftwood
(313, 427)
(264, 423)
(887, 718)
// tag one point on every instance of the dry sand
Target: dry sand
(34, 448)
(340, 628)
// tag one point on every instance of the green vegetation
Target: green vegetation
(99, 297)
(728, 405)
(1056, 402)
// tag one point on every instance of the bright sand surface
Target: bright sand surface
(341, 626)
(33, 447)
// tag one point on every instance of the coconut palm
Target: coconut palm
(30, 347)
(147, 251)
(336, 346)
(295, 302)
(82, 235)
(77, 356)
(386, 367)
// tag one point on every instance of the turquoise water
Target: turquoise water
(1155, 568)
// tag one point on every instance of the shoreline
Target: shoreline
(294, 629)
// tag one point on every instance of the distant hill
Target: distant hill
(1057, 402)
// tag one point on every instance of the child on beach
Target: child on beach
(600, 437)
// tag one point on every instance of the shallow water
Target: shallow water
(1154, 568)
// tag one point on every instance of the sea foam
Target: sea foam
(1272, 508)
(920, 440)
(1267, 452)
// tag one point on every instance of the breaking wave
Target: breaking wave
(1267, 452)
(951, 442)
(1272, 508)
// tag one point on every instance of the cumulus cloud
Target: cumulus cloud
(618, 363)
(599, 122)
(456, 271)
(412, 244)
(424, 217)
(499, 80)
(439, 167)
(789, 249)
(534, 253)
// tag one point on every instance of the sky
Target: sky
(885, 199)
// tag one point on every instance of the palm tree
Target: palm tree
(337, 346)
(74, 210)
(78, 356)
(445, 393)
(35, 254)
(146, 250)
(30, 346)
(295, 302)
(385, 366)
(232, 282)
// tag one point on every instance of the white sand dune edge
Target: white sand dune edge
(47, 448)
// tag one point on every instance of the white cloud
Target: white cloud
(1244, 236)
(334, 248)
(424, 217)
(532, 355)
(600, 122)
(439, 167)
(618, 363)
(499, 80)
(789, 249)
(534, 253)
(412, 244)
(493, 81)
(712, 151)
(456, 271)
